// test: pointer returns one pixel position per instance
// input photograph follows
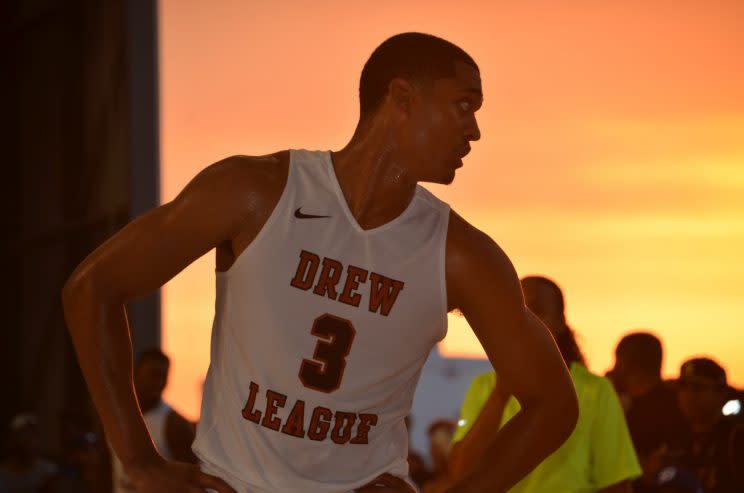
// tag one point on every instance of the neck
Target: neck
(375, 183)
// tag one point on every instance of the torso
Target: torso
(320, 332)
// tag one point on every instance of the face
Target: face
(700, 400)
(619, 373)
(439, 124)
(150, 379)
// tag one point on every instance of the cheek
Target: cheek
(431, 127)
(683, 398)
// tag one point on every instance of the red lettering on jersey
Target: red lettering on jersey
(319, 425)
(329, 276)
(366, 422)
(354, 275)
(342, 427)
(295, 424)
(339, 424)
(306, 270)
(248, 412)
(382, 293)
(274, 400)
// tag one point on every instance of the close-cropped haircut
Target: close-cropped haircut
(411, 56)
(642, 350)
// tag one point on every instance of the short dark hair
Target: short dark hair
(413, 56)
(642, 351)
(152, 354)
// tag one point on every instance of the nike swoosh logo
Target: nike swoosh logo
(300, 215)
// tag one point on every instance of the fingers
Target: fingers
(214, 483)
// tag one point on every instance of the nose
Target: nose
(472, 132)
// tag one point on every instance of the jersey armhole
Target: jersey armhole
(443, 269)
(278, 207)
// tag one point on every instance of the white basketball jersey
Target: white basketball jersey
(320, 332)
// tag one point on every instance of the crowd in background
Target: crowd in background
(636, 432)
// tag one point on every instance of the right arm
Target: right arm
(483, 285)
(225, 203)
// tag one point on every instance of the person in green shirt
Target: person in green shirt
(599, 454)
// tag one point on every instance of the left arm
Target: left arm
(482, 283)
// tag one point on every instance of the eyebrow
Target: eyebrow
(475, 91)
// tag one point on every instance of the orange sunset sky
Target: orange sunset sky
(611, 158)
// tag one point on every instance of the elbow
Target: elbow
(79, 293)
(75, 288)
(74, 291)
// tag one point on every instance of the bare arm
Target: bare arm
(217, 207)
(482, 283)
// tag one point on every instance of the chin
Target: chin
(445, 178)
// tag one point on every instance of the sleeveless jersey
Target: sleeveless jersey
(155, 420)
(320, 332)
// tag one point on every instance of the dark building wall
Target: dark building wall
(81, 90)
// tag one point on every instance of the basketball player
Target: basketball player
(335, 273)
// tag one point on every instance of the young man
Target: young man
(654, 418)
(335, 274)
(714, 451)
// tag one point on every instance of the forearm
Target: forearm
(515, 450)
(101, 337)
(476, 442)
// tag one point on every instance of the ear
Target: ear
(400, 94)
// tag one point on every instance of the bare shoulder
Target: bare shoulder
(464, 241)
(473, 259)
(247, 189)
(247, 181)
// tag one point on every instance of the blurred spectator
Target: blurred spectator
(440, 438)
(84, 464)
(416, 465)
(598, 456)
(24, 470)
(172, 433)
(79, 468)
(715, 449)
(653, 415)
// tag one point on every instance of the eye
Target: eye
(465, 105)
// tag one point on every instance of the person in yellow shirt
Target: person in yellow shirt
(599, 454)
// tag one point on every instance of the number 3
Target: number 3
(324, 372)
